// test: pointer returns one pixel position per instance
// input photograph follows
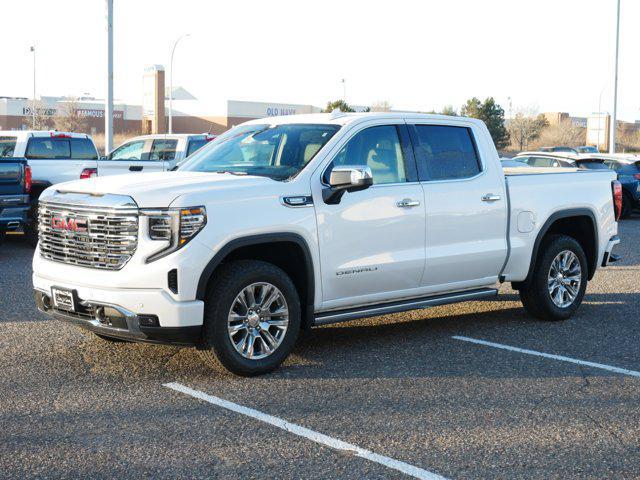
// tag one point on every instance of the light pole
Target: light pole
(600, 116)
(108, 109)
(344, 90)
(33, 104)
(612, 127)
(175, 44)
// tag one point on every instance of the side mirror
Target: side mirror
(346, 178)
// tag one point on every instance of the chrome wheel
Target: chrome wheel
(565, 278)
(258, 320)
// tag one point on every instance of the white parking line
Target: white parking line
(307, 433)
(623, 371)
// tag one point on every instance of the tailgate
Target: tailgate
(11, 172)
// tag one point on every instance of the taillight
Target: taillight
(208, 137)
(89, 173)
(636, 176)
(616, 189)
(60, 135)
(27, 179)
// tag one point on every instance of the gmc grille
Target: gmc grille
(93, 238)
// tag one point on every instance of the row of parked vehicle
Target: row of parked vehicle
(626, 166)
(31, 161)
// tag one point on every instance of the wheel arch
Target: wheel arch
(569, 222)
(275, 248)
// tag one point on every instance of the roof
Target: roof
(176, 136)
(40, 133)
(344, 118)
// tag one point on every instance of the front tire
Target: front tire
(252, 318)
(559, 279)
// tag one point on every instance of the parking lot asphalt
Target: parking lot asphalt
(399, 386)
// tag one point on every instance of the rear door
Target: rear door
(466, 207)
(163, 154)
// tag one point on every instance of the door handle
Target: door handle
(407, 202)
(135, 168)
(490, 197)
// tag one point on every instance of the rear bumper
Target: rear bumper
(609, 257)
(14, 211)
(118, 322)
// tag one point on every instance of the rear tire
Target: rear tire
(252, 318)
(627, 206)
(556, 290)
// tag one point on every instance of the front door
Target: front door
(372, 243)
(466, 208)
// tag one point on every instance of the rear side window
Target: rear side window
(7, 146)
(42, 148)
(446, 152)
(592, 166)
(164, 149)
(195, 145)
(83, 149)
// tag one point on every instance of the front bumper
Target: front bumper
(116, 321)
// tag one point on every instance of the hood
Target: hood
(160, 189)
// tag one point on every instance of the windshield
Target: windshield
(275, 151)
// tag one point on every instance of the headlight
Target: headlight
(174, 225)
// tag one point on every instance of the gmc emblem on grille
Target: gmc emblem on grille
(69, 224)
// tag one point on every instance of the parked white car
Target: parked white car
(151, 153)
(289, 222)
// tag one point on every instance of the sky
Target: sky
(544, 55)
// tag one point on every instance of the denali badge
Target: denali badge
(351, 271)
(69, 224)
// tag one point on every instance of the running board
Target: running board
(336, 316)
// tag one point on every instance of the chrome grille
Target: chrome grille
(94, 238)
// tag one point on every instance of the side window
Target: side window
(540, 162)
(164, 149)
(42, 148)
(83, 149)
(7, 146)
(128, 151)
(195, 144)
(377, 147)
(447, 152)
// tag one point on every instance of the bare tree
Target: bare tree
(565, 133)
(381, 106)
(69, 117)
(628, 137)
(525, 127)
(43, 117)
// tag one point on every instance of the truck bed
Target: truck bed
(536, 194)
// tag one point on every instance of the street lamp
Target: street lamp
(33, 104)
(175, 44)
(612, 127)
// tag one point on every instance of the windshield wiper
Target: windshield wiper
(232, 172)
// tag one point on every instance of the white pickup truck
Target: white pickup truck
(303, 220)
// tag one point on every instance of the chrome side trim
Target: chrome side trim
(413, 304)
